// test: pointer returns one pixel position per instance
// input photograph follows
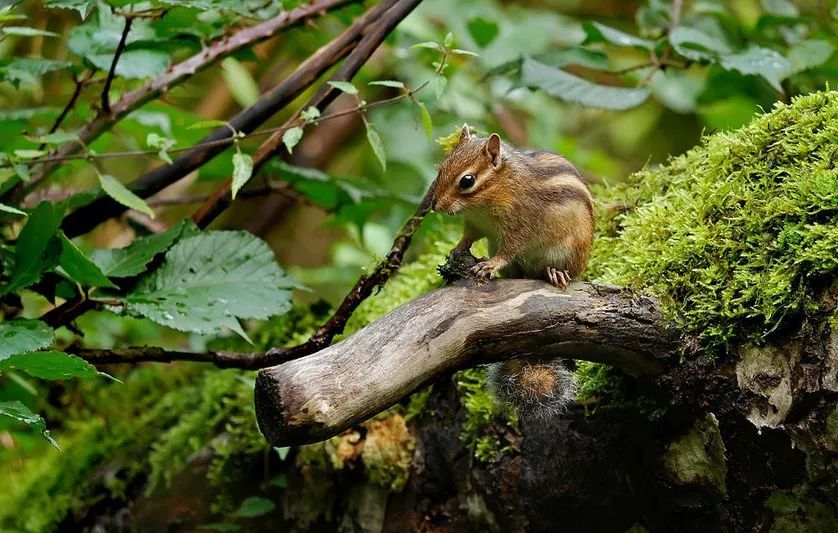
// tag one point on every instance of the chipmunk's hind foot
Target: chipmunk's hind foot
(558, 278)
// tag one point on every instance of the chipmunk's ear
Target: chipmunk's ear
(492, 149)
(465, 133)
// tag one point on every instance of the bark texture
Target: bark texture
(321, 395)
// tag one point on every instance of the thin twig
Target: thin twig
(106, 103)
(281, 189)
(71, 103)
(88, 217)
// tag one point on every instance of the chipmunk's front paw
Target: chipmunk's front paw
(486, 270)
(558, 278)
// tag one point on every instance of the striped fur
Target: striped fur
(532, 206)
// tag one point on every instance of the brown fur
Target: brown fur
(532, 206)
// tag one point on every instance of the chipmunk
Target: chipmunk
(538, 216)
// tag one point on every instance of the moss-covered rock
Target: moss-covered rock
(699, 455)
(735, 235)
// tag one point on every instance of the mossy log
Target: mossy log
(465, 324)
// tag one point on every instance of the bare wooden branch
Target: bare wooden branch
(88, 217)
(177, 74)
(106, 99)
(221, 199)
(318, 396)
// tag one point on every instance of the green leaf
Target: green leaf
(343, 86)
(426, 119)
(568, 87)
(280, 481)
(388, 83)
(461, 52)
(809, 54)
(9, 209)
(428, 44)
(162, 144)
(600, 32)
(80, 269)
(132, 259)
(23, 335)
(26, 31)
(49, 365)
(206, 124)
(310, 114)
(58, 137)
(242, 170)
(29, 154)
(134, 64)
(438, 84)
(84, 7)
(21, 413)
(483, 31)
(291, 137)
(694, 44)
(25, 69)
(37, 247)
(449, 40)
(377, 145)
(759, 61)
(123, 195)
(244, 88)
(211, 280)
(220, 527)
(253, 507)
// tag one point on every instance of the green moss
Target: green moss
(733, 235)
(482, 413)
(797, 511)
(699, 455)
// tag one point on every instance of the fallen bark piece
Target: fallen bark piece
(462, 325)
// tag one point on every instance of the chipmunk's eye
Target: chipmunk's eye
(466, 182)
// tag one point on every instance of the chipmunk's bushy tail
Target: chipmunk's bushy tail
(534, 387)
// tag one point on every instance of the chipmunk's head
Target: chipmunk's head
(469, 173)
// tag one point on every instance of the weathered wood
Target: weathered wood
(318, 396)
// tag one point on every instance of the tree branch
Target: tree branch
(222, 199)
(141, 354)
(89, 216)
(319, 396)
(220, 49)
(106, 102)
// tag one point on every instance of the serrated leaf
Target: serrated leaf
(483, 31)
(23, 335)
(21, 413)
(58, 137)
(809, 54)
(207, 124)
(697, 45)
(343, 86)
(310, 114)
(759, 61)
(212, 280)
(568, 87)
(242, 170)
(601, 32)
(80, 269)
(291, 137)
(253, 507)
(134, 64)
(37, 248)
(377, 145)
(388, 83)
(426, 119)
(123, 195)
(84, 7)
(132, 259)
(49, 365)
(26, 69)
(9, 209)
(25, 31)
